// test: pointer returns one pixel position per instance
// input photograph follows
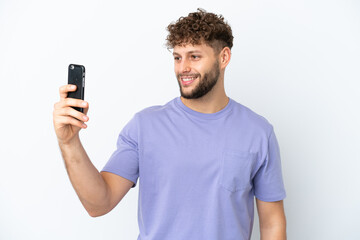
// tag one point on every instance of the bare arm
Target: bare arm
(272, 220)
(98, 192)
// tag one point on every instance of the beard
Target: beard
(205, 84)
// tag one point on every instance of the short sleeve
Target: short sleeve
(268, 181)
(125, 160)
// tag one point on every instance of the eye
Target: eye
(176, 58)
(195, 57)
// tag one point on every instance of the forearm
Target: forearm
(88, 183)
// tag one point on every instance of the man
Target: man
(200, 159)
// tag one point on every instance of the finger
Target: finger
(70, 112)
(66, 120)
(63, 90)
(71, 102)
(63, 117)
(86, 109)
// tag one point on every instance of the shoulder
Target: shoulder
(155, 111)
(251, 119)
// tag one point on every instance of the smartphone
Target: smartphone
(76, 76)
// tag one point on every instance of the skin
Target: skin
(272, 220)
(200, 59)
(101, 192)
(98, 192)
(205, 82)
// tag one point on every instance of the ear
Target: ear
(225, 56)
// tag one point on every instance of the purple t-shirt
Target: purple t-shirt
(198, 173)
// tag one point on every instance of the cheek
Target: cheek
(176, 68)
(202, 67)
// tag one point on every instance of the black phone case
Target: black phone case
(76, 76)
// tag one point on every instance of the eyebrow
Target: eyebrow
(190, 52)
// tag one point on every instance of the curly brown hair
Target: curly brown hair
(200, 27)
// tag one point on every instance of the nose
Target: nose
(185, 66)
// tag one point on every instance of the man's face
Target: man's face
(197, 70)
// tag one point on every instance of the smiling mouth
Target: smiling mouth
(187, 80)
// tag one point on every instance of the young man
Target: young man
(200, 158)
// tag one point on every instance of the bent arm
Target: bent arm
(98, 192)
(272, 220)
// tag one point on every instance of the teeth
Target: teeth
(188, 79)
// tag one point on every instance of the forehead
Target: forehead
(189, 48)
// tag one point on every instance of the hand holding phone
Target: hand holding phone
(69, 115)
(76, 76)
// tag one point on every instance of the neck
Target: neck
(212, 102)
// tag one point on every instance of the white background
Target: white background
(297, 63)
